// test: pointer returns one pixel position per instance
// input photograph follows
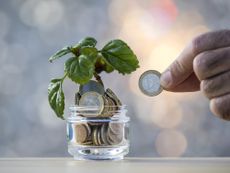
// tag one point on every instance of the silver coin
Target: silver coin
(116, 128)
(115, 133)
(103, 131)
(114, 139)
(99, 136)
(113, 96)
(108, 108)
(94, 101)
(94, 136)
(149, 83)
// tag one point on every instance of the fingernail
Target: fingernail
(166, 79)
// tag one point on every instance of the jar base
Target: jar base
(98, 153)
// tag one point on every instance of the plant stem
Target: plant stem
(98, 78)
(75, 51)
(62, 79)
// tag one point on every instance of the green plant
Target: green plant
(86, 62)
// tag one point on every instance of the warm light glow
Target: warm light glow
(162, 55)
(166, 112)
(157, 33)
(166, 6)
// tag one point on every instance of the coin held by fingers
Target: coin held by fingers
(149, 83)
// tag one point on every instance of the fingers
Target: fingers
(212, 68)
(192, 83)
(182, 67)
(220, 106)
(211, 40)
(206, 60)
(216, 86)
(179, 70)
(213, 62)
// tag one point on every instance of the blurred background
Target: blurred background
(171, 124)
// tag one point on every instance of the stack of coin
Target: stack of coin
(100, 104)
(104, 134)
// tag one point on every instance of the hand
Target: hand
(204, 64)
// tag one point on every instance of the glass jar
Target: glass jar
(97, 137)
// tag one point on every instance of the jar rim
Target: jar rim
(118, 115)
(81, 108)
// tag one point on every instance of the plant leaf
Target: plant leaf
(80, 69)
(60, 53)
(119, 55)
(86, 42)
(90, 52)
(56, 97)
(108, 68)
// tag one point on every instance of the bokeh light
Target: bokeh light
(157, 31)
(47, 14)
(42, 14)
(170, 143)
(167, 112)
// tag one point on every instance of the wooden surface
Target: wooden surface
(132, 165)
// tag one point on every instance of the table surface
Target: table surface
(132, 165)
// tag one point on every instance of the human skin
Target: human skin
(204, 64)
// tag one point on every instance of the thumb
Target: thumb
(179, 70)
